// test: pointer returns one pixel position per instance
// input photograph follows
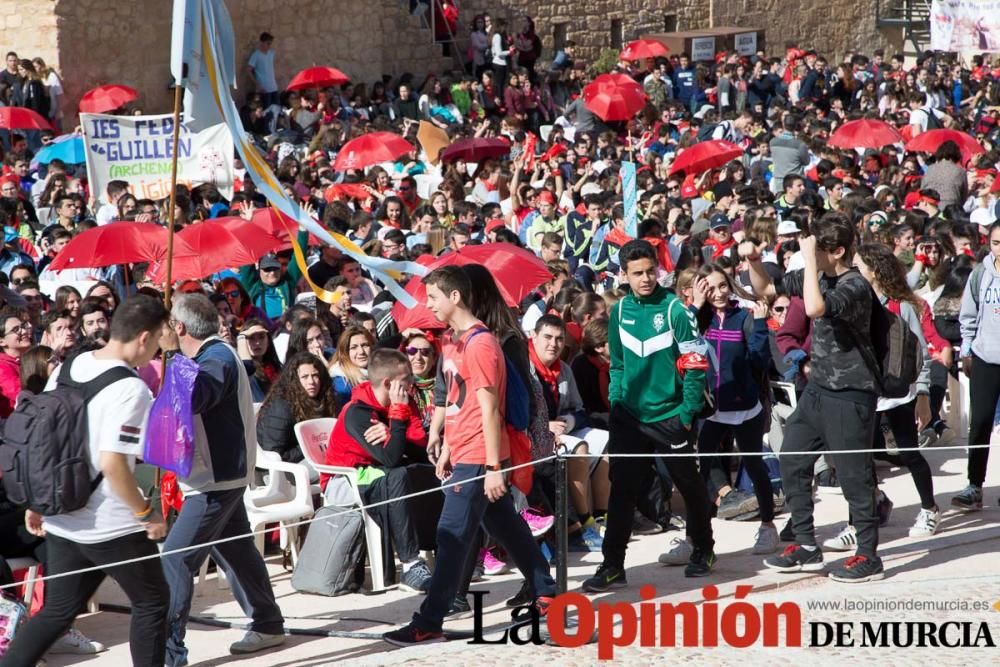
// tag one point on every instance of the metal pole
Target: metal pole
(562, 527)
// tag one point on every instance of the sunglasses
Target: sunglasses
(779, 309)
(422, 351)
(271, 269)
(232, 294)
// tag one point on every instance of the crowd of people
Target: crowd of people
(744, 289)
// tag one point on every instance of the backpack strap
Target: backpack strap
(93, 387)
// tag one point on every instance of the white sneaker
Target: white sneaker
(76, 643)
(846, 540)
(255, 641)
(767, 540)
(926, 524)
(679, 552)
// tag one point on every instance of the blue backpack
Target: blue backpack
(516, 398)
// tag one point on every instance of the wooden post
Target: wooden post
(171, 208)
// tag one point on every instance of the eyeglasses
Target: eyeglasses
(232, 294)
(422, 351)
(23, 327)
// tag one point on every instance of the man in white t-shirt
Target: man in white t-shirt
(117, 523)
(261, 65)
(109, 210)
(922, 112)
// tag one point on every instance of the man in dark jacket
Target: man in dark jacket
(225, 453)
(378, 433)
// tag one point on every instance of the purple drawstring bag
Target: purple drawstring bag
(170, 431)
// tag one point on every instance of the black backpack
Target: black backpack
(933, 121)
(895, 356)
(45, 453)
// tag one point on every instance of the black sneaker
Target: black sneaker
(701, 563)
(787, 534)
(859, 569)
(606, 578)
(411, 635)
(796, 559)
(735, 503)
(522, 598)
(416, 579)
(643, 526)
(460, 608)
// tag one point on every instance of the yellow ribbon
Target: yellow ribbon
(326, 296)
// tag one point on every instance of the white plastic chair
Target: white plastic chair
(278, 500)
(313, 436)
(31, 565)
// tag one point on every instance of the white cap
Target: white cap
(590, 189)
(787, 228)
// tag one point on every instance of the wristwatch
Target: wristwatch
(493, 468)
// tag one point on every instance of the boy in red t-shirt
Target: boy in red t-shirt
(471, 459)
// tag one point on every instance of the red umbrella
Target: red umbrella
(930, 141)
(517, 272)
(475, 150)
(269, 221)
(865, 133)
(106, 98)
(614, 97)
(705, 155)
(369, 149)
(213, 245)
(114, 243)
(19, 118)
(644, 48)
(318, 77)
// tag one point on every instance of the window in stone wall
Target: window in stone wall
(616, 34)
(558, 36)
(670, 23)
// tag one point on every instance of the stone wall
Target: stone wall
(831, 27)
(93, 42)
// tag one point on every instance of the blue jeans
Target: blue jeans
(465, 507)
(206, 517)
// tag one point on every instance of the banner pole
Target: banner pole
(171, 208)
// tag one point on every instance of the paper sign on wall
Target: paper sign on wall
(746, 43)
(703, 48)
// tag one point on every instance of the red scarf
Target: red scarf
(603, 376)
(547, 375)
(718, 249)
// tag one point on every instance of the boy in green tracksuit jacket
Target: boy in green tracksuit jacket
(657, 388)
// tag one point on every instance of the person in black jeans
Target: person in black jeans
(117, 523)
(836, 412)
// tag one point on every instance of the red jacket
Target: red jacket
(10, 383)
(347, 446)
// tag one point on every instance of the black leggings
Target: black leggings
(984, 392)
(749, 438)
(902, 421)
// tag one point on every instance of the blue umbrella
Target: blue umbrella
(70, 151)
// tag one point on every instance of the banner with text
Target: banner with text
(139, 151)
(965, 26)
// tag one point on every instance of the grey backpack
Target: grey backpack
(333, 548)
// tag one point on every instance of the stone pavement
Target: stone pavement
(958, 564)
